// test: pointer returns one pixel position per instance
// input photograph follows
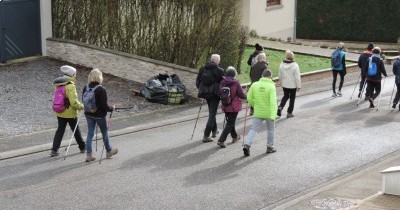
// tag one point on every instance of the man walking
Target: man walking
(207, 81)
(363, 64)
(262, 96)
(374, 75)
(338, 67)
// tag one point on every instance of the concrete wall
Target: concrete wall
(45, 23)
(119, 64)
(274, 21)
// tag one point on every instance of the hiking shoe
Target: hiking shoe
(207, 139)
(339, 93)
(290, 115)
(234, 140)
(54, 153)
(334, 95)
(271, 150)
(279, 112)
(371, 103)
(221, 144)
(246, 150)
(82, 150)
(215, 133)
(113, 151)
(359, 95)
(90, 158)
(394, 106)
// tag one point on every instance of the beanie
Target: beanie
(259, 47)
(370, 46)
(230, 71)
(68, 70)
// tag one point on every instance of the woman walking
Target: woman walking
(230, 106)
(97, 116)
(289, 77)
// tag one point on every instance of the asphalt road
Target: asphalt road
(162, 169)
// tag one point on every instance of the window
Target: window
(273, 2)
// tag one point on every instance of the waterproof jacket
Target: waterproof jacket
(363, 62)
(342, 67)
(396, 70)
(380, 67)
(289, 74)
(71, 94)
(256, 71)
(101, 101)
(208, 92)
(262, 96)
(236, 94)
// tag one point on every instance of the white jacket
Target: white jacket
(289, 75)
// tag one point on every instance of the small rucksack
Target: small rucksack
(207, 77)
(89, 99)
(226, 98)
(60, 101)
(336, 60)
(372, 68)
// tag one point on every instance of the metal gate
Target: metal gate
(20, 29)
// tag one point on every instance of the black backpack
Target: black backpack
(226, 97)
(207, 77)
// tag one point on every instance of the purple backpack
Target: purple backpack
(60, 101)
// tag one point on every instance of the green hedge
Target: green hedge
(352, 20)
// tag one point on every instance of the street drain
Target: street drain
(331, 203)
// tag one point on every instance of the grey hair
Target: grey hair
(261, 57)
(266, 73)
(231, 71)
(340, 45)
(215, 58)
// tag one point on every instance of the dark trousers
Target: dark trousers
(363, 78)
(373, 86)
(288, 94)
(229, 127)
(212, 113)
(334, 74)
(397, 97)
(62, 124)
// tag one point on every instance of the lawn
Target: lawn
(306, 63)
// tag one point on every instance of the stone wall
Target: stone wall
(137, 68)
(124, 65)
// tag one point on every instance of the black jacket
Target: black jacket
(380, 67)
(254, 54)
(208, 92)
(101, 101)
(257, 70)
(363, 62)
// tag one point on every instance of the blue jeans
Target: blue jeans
(212, 112)
(257, 122)
(102, 122)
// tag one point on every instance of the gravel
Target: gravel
(26, 93)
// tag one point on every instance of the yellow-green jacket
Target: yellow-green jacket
(262, 97)
(71, 94)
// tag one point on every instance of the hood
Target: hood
(61, 81)
(210, 65)
(228, 80)
(287, 64)
(375, 58)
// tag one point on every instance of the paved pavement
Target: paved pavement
(357, 188)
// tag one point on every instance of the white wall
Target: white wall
(275, 21)
(45, 23)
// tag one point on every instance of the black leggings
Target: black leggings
(335, 73)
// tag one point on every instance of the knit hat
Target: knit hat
(68, 70)
(259, 47)
(370, 46)
(230, 71)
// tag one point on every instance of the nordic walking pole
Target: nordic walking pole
(380, 95)
(73, 134)
(197, 119)
(96, 137)
(391, 96)
(362, 91)
(108, 126)
(244, 127)
(355, 86)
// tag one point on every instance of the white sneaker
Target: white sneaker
(339, 93)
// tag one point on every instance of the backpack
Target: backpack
(89, 99)
(207, 77)
(372, 68)
(60, 101)
(336, 60)
(226, 98)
